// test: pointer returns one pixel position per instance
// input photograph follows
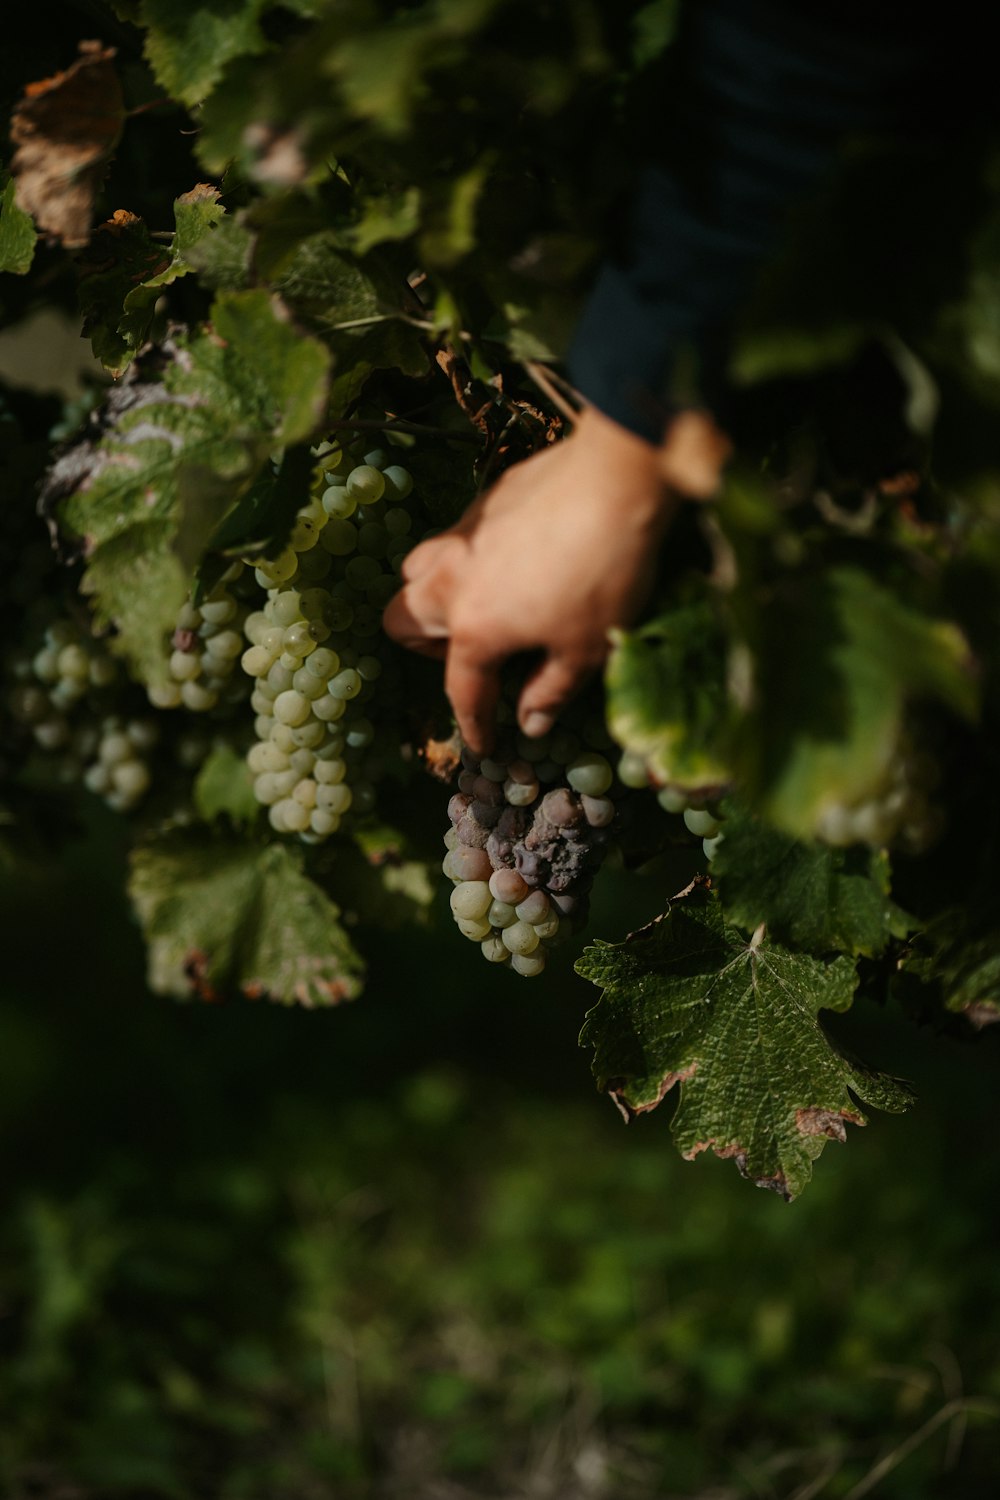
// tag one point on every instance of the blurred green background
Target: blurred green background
(403, 1249)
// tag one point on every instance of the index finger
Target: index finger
(418, 630)
(472, 682)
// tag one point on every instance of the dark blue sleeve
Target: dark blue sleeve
(769, 92)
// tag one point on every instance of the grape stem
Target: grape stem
(400, 424)
(552, 385)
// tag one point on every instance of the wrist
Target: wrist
(632, 468)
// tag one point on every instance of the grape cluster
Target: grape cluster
(900, 813)
(633, 772)
(529, 829)
(314, 645)
(60, 695)
(206, 647)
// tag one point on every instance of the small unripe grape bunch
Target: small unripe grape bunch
(119, 772)
(60, 683)
(315, 645)
(69, 671)
(59, 693)
(530, 825)
(634, 772)
(698, 817)
(204, 650)
(900, 813)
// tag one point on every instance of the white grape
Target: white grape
(589, 773)
(291, 708)
(476, 929)
(520, 937)
(471, 899)
(701, 823)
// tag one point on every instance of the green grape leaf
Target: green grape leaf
(286, 380)
(124, 273)
(384, 217)
(358, 314)
(189, 42)
(17, 233)
(690, 1002)
(224, 788)
(380, 881)
(450, 228)
(402, 885)
(666, 697)
(653, 27)
(381, 71)
(222, 257)
(138, 583)
(181, 454)
(261, 520)
(808, 895)
(839, 658)
(959, 953)
(223, 915)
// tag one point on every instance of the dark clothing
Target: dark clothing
(768, 94)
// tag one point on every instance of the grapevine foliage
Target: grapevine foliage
(365, 223)
(690, 1002)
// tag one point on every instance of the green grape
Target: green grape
(291, 708)
(397, 482)
(520, 937)
(701, 823)
(471, 899)
(476, 930)
(346, 684)
(589, 773)
(365, 483)
(339, 503)
(672, 800)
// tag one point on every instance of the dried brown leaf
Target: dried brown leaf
(64, 129)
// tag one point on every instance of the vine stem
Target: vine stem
(400, 424)
(424, 324)
(549, 383)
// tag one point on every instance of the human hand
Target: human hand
(559, 550)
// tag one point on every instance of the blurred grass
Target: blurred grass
(402, 1250)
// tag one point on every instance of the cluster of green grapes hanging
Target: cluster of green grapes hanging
(899, 812)
(298, 633)
(205, 648)
(305, 626)
(313, 652)
(63, 695)
(633, 771)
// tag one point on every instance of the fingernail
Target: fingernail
(537, 723)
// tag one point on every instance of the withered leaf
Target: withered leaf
(65, 129)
